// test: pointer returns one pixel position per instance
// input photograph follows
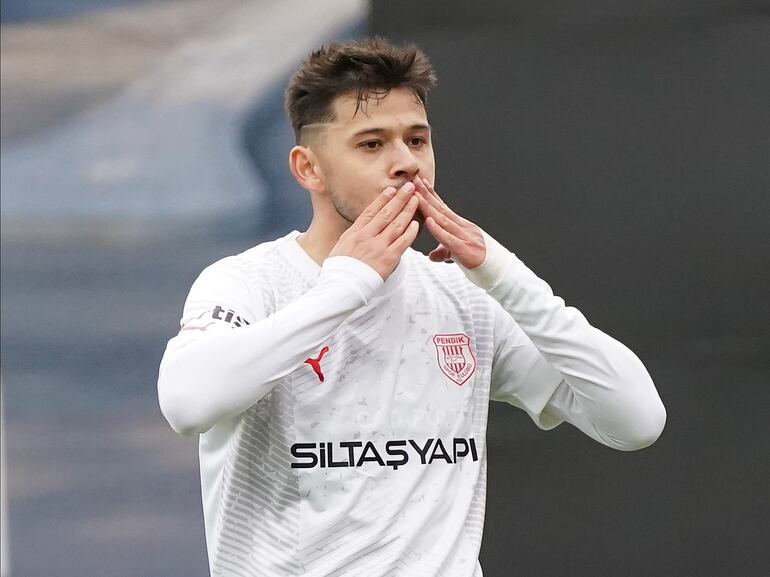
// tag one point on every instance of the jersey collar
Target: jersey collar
(311, 269)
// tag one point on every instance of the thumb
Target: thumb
(440, 254)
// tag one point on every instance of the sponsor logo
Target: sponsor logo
(395, 453)
(455, 356)
(218, 314)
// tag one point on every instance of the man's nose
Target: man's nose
(404, 166)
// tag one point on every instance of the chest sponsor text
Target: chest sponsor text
(395, 453)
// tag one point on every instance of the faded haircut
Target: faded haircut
(370, 68)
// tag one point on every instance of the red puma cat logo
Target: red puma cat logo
(315, 363)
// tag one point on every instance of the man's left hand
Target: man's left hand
(460, 239)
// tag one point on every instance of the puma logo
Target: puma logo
(203, 328)
(315, 363)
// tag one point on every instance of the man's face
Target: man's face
(385, 143)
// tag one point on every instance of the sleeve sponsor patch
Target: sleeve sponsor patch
(211, 316)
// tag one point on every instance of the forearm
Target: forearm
(609, 394)
(216, 376)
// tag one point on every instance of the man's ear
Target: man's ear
(303, 164)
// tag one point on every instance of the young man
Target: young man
(340, 380)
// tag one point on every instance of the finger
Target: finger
(423, 186)
(397, 226)
(404, 241)
(440, 254)
(371, 211)
(431, 198)
(449, 240)
(391, 209)
(434, 199)
(427, 183)
(429, 210)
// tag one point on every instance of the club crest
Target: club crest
(455, 357)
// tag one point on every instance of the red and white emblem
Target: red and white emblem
(455, 356)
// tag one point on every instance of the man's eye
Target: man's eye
(371, 144)
(417, 141)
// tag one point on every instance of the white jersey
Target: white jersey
(342, 420)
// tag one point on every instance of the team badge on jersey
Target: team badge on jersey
(455, 357)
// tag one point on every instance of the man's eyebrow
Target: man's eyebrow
(378, 130)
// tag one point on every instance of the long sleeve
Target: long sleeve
(558, 367)
(212, 371)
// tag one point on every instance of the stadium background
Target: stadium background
(620, 148)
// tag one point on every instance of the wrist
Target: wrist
(497, 261)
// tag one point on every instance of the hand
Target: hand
(384, 230)
(459, 238)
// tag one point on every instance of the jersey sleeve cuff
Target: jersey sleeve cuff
(352, 273)
(495, 266)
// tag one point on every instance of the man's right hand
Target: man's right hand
(383, 232)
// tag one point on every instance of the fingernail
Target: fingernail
(408, 187)
(390, 191)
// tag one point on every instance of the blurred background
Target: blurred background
(621, 149)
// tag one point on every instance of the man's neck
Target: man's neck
(318, 240)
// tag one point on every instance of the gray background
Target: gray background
(620, 149)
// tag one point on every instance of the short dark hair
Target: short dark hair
(371, 67)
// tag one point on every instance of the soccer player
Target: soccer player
(340, 380)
